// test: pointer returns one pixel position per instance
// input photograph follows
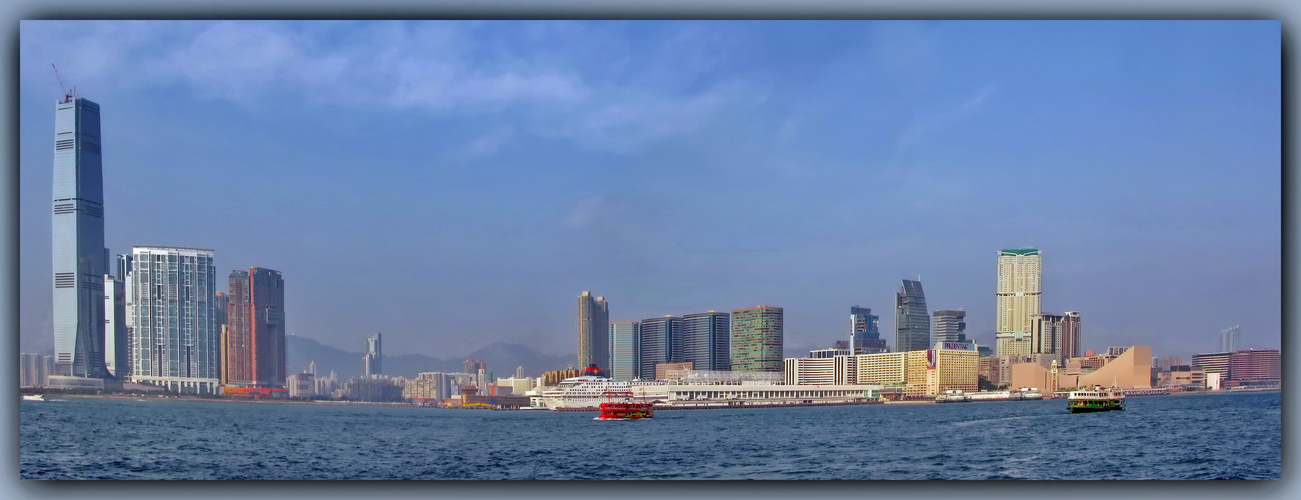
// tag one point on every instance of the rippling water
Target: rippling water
(1229, 436)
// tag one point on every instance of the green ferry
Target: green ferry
(1097, 399)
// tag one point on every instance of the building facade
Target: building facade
(661, 342)
(949, 326)
(1047, 335)
(1252, 365)
(175, 344)
(912, 324)
(1020, 282)
(255, 334)
(116, 359)
(624, 338)
(593, 331)
(80, 260)
(757, 339)
(1214, 362)
(706, 341)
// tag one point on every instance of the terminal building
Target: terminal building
(917, 374)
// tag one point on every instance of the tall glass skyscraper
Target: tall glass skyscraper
(593, 331)
(758, 339)
(706, 341)
(374, 357)
(624, 338)
(79, 257)
(1230, 339)
(661, 342)
(175, 341)
(912, 324)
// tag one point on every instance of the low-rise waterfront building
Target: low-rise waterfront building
(1255, 365)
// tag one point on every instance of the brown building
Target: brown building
(1255, 365)
(554, 377)
(1130, 370)
(255, 335)
(672, 371)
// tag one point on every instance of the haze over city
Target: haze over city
(452, 184)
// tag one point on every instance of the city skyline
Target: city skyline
(930, 133)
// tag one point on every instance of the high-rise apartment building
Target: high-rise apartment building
(593, 331)
(175, 343)
(1230, 339)
(255, 334)
(949, 326)
(706, 341)
(757, 339)
(1020, 282)
(116, 358)
(80, 260)
(1072, 335)
(1047, 332)
(372, 361)
(624, 339)
(865, 331)
(661, 342)
(912, 324)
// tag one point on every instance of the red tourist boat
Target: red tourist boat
(622, 406)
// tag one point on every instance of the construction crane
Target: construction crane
(68, 93)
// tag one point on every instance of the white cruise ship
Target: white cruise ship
(587, 392)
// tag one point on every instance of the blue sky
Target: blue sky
(452, 184)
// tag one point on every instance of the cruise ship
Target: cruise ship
(588, 391)
(705, 390)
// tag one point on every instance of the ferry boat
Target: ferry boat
(622, 406)
(1098, 399)
(952, 396)
(33, 397)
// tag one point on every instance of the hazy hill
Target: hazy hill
(502, 359)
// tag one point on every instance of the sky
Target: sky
(456, 183)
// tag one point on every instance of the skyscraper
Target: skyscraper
(1230, 339)
(624, 337)
(255, 341)
(1020, 280)
(757, 339)
(80, 260)
(949, 326)
(174, 340)
(1072, 335)
(115, 332)
(706, 341)
(865, 331)
(661, 342)
(912, 324)
(593, 331)
(374, 356)
(1048, 335)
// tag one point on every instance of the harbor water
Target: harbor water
(1212, 436)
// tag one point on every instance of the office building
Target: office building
(1020, 282)
(757, 339)
(116, 348)
(624, 339)
(1230, 339)
(912, 324)
(949, 326)
(865, 331)
(1253, 365)
(1012, 344)
(593, 331)
(80, 260)
(1214, 362)
(176, 345)
(706, 341)
(661, 342)
(1072, 335)
(301, 385)
(255, 333)
(372, 361)
(34, 370)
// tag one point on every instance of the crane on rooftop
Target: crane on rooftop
(68, 93)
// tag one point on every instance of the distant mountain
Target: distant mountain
(502, 358)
